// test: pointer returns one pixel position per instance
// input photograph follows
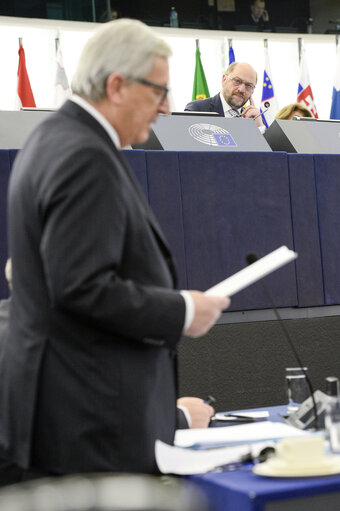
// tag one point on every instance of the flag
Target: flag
(305, 94)
(61, 87)
(268, 94)
(200, 89)
(25, 94)
(172, 104)
(335, 108)
(231, 55)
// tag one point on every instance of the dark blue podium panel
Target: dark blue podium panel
(158, 176)
(137, 161)
(5, 166)
(235, 204)
(327, 176)
(306, 230)
(12, 155)
(165, 200)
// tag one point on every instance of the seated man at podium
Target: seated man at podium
(236, 96)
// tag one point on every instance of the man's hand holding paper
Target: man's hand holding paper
(207, 311)
(208, 306)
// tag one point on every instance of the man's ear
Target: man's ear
(115, 87)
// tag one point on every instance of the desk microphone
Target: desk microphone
(252, 258)
(266, 105)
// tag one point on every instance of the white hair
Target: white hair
(125, 46)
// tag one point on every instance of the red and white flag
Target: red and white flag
(25, 94)
(62, 89)
(305, 94)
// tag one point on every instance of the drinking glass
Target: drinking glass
(297, 387)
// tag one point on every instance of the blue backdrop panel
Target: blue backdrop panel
(234, 204)
(4, 177)
(306, 230)
(12, 155)
(327, 177)
(165, 201)
(138, 163)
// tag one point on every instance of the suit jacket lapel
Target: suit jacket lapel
(84, 117)
(151, 217)
(217, 105)
(73, 109)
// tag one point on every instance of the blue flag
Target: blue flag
(335, 108)
(267, 91)
(231, 55)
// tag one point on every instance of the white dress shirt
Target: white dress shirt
(228, 111)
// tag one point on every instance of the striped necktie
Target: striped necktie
(234, 113)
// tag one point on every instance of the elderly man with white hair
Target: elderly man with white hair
(88, 375)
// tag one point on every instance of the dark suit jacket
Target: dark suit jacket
(4, 314)
(87, 379)
(212, 104)
(261, 25)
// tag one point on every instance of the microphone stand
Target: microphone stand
(267, 106)
(251, 258)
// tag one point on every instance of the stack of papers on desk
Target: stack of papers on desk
(227, 436)
(197, 451)
(176, 460)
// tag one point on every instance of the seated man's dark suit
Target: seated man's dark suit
(212, 104)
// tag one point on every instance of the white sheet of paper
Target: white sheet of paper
(244, 433)
(228, 417)
(182, 461)
(253, 272)
(176, 460)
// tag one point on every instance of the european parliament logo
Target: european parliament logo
(224, 139)
(211, 134)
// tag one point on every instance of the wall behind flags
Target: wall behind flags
(39, 44)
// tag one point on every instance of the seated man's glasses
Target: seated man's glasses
(237, 82)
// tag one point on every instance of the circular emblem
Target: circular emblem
(210, 134)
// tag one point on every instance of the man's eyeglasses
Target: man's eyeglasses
(163, 90)
(237, 82)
